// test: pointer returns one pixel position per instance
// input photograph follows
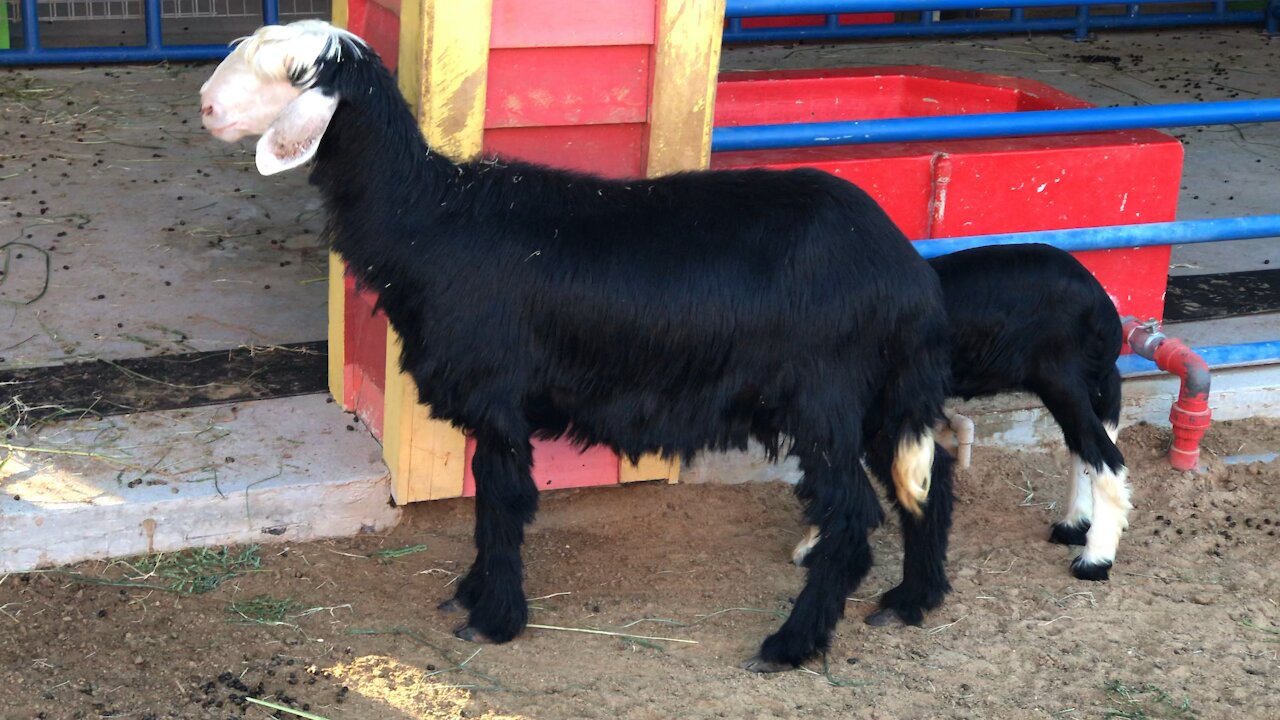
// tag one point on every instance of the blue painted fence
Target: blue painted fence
(155, 50)
(1084, 20)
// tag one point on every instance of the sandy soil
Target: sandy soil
(1187, 628)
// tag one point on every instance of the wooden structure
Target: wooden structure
(623, 88)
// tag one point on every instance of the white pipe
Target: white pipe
(963, 428)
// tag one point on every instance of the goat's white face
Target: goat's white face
(263, 88)
(236, 102)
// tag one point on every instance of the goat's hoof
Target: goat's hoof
(450, 606)
(1069, 534)
(758, 664)
(885, 617)
(471, 635)
(1084, 570)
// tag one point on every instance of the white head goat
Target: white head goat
(266, 87)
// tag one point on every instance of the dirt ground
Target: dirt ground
(1188, 627)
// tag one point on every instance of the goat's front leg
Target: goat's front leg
(506, 500)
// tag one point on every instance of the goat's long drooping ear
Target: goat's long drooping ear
(295, 135)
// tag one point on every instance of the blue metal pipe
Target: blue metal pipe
(30, 26)
(954, 127)
(1185, 232)
(977, 27)
(1273, 17)
(270, 12)
(1217, 356)
(58, 56)
(1082, 23)
(761, 8)
(151, 17)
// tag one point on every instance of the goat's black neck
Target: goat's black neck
(373, 166)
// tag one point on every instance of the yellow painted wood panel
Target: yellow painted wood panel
(650, 467)
(337, 329)
(340, 13)
(443, 69)
(686, 60)
(425, 455)
(454, 60)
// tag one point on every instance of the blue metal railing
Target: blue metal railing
(32, 53)
(1185, 232)
(988, 125)
(1083, 21)
(1266, 352)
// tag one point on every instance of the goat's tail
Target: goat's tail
(913, 469)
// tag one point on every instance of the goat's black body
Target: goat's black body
(689, 312)
(1032, 318)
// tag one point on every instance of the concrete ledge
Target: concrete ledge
(289, 469)
(1020, 420)
(268, 471)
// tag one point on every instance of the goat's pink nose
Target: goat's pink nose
(206, 110)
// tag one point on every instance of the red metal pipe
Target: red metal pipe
(1190, 414)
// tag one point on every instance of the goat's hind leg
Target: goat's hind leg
(1073, 528)
(845, 510)
(1099, 504)
(506, 500)
(924, 575)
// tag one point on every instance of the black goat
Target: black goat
(1031, 317)
(669, 315)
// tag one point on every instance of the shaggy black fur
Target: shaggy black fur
(689, 312)
(1031, 317)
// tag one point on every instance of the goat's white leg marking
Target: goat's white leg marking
(1080, 498)
(805, 546)
(912, 471)
(1111, 508)
(1113, 431)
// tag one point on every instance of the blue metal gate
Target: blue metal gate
(155, 49)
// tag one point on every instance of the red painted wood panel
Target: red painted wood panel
(568, 86)
(1071, 182)
(562, 23)
(753, 98)
(378, 22)
(900, 181)
(557, 464)
(365, 346)
(610, 150)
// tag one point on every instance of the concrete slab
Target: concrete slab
(269, 471)
(158, 238)
(1019, 420)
